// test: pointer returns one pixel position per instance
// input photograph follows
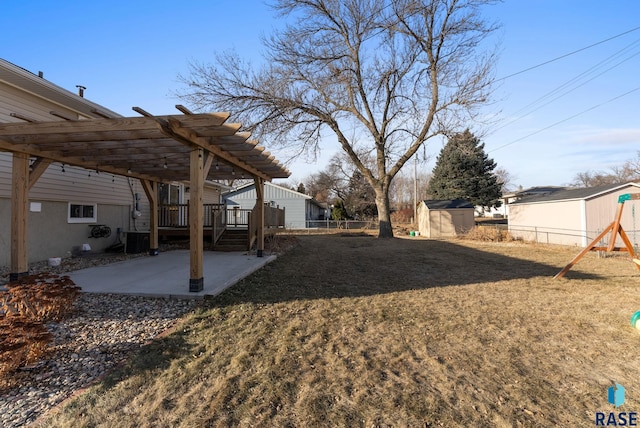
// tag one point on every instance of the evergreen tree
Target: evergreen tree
(338, 211)
(464, 171)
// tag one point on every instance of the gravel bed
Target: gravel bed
(102, 332)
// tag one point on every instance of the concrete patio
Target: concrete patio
(167, 275)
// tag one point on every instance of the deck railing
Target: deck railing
(177, 215)
(273, 219)
(217, 218)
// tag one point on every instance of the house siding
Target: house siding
(14, 100)
(296, 205)
(551, 222)
(49, 233)
(575, 221)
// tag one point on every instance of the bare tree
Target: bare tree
(505, 178)
(628, 171)
(327, 184)
(383, 76)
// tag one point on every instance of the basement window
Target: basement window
(82, 213)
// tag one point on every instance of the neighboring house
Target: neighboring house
(445, 218)
(300, 209)
(507, 198)
(67, 201)
(574, 216)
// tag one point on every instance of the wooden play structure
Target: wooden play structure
(616, 229)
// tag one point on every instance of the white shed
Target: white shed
(300, 209)
(445, 218)
(574, 216)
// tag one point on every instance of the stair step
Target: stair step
(233, 240)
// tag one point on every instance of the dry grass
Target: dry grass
(355, 331)
(488, 234)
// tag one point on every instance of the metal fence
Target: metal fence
(341, 224)
(550, 235)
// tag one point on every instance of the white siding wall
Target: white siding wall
(563, 222)
(295, 205)
(549, 222)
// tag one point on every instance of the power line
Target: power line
(566, 119)
(571, 85)
(568, 54)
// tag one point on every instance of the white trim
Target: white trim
(80, 213)
(583, 222)
(248, 186)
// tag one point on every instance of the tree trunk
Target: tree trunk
(384, 213)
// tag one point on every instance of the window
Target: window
(82, 213)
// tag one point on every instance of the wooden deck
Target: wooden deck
(218, 219)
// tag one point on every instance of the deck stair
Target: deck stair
(233, 239)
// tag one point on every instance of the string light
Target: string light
(165, 166)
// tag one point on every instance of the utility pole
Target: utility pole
(415, 189)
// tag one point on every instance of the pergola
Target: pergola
(154, 149)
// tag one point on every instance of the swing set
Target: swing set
(616, 229)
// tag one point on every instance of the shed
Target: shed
(445, 218)
(574, 216)
(300, 209)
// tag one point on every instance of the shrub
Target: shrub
(41, 297)
(489, 234)
(29, 302)
(402, 216)
(22, 342)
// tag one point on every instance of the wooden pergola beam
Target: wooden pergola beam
(19, 216)
(151, 190)
(180, 133)
(38, 168)
(259, 184)
(196, 221)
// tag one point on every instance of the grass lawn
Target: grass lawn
(356, 331)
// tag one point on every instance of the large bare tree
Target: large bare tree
(383, 76)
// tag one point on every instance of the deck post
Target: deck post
(19, 216)
(151, 190)
(259, 183)
(196, 221)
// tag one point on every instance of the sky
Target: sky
(577, 113)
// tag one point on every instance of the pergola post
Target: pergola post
(151, 190)
(196, 220)
(19, 216)
(259, 183)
